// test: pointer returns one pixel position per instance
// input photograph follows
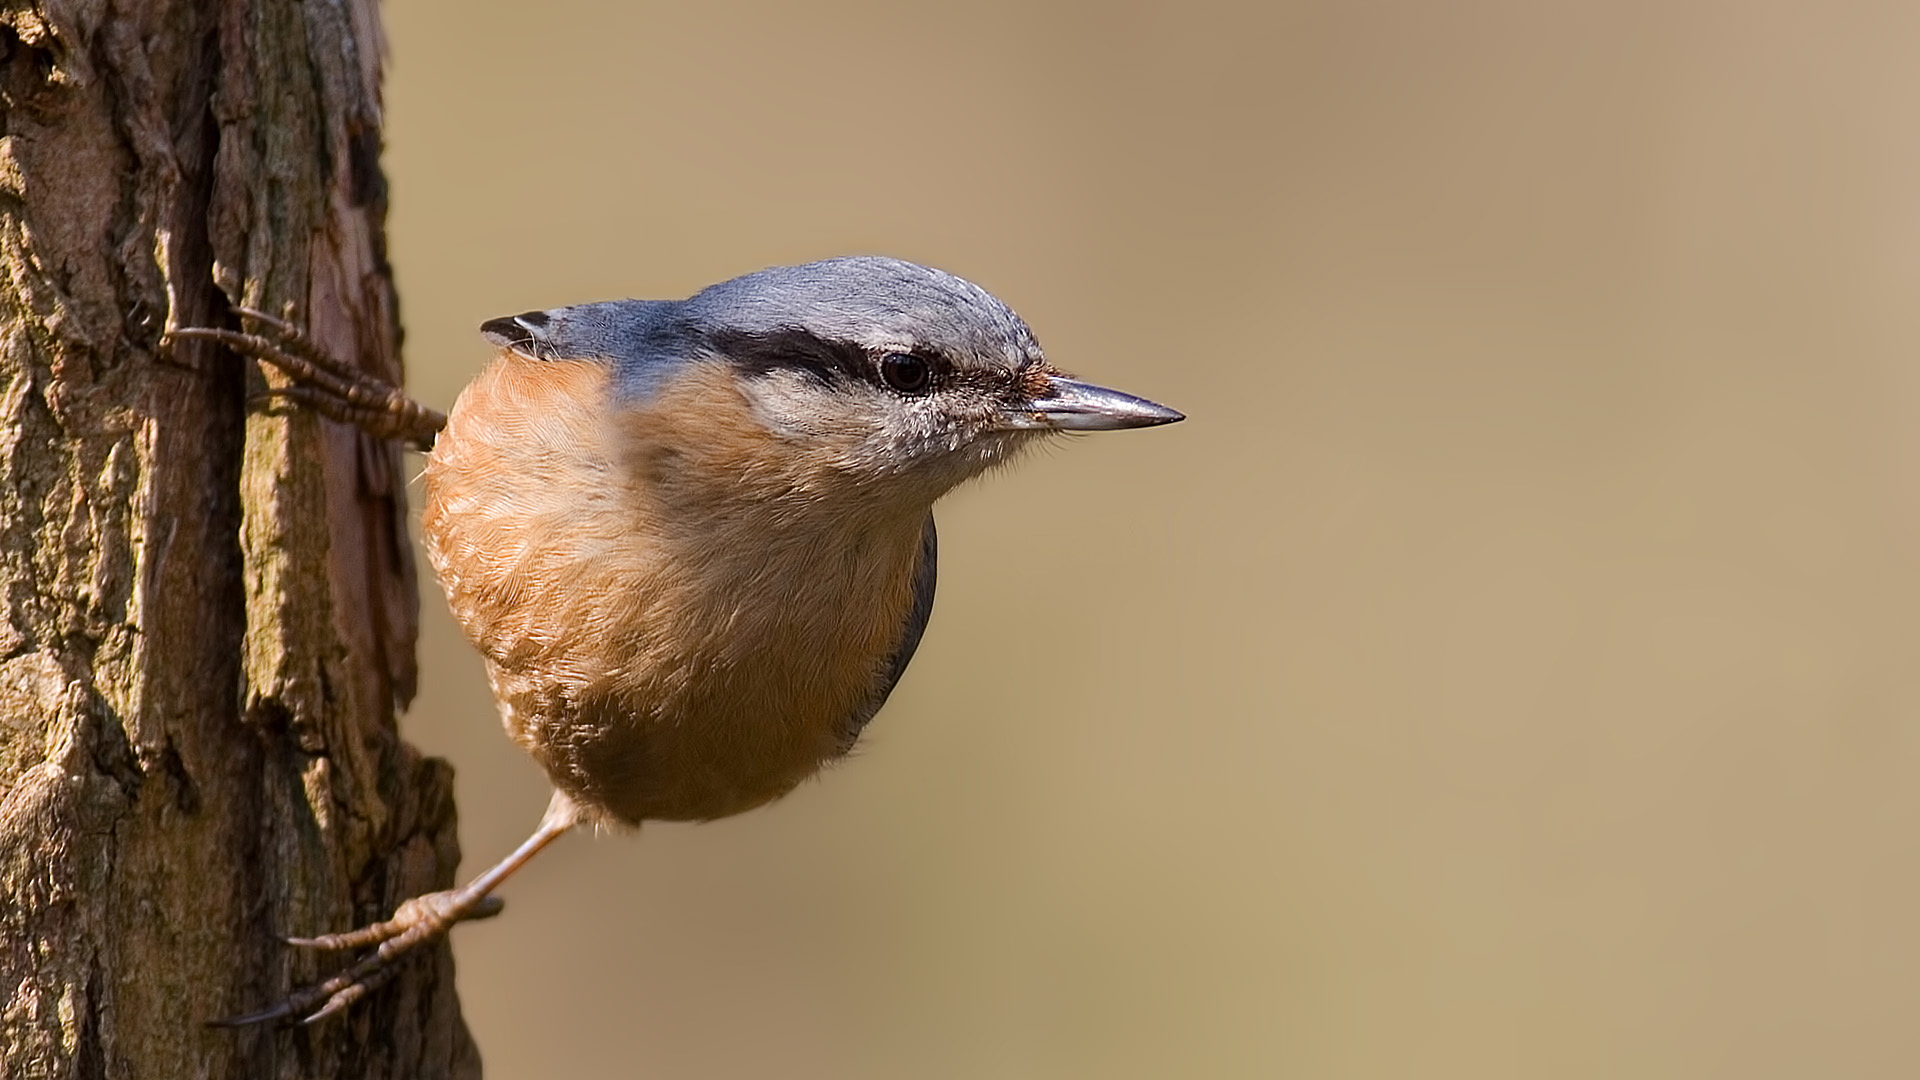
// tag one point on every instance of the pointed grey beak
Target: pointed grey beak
(1076, 406)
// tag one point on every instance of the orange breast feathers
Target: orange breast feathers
(678, 611)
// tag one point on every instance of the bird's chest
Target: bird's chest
(715, 682)
(675, 627)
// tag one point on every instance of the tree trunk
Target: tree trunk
(209, 612)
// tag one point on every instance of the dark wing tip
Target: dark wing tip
(516, 331)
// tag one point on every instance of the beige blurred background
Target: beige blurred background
(1509, 670)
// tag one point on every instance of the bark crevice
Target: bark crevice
(209, 613)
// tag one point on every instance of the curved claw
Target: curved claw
(332, 996)
(331, 387)
(419, 921)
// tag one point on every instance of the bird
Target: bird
(693, 540)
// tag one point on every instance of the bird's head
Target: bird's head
(933, 376)
(887, 371)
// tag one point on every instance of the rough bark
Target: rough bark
(208, 608)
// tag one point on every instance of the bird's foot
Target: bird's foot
(331, 387)
(420, 921)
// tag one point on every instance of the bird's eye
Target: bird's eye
(906, 373)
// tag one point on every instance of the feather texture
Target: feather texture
(680, 611)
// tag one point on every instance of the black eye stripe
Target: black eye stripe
(828, 362)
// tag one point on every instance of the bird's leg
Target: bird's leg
(333, 388)
(419, 921)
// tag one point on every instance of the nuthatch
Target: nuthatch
(694, 539)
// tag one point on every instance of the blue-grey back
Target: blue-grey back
(645, 340)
